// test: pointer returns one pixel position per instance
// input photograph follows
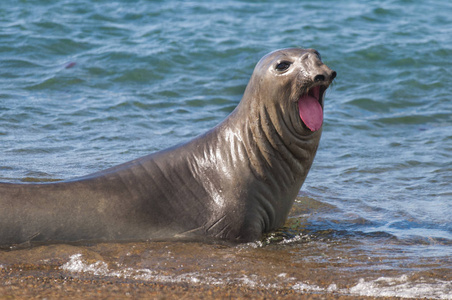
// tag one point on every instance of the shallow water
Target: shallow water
(86, 85)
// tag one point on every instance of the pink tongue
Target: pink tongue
(310, 112)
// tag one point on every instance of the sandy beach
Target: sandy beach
(180, 270)
(20, 283)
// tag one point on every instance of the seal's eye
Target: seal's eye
(282, 66)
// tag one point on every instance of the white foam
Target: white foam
(304, 287)
(257, 244)
(295, 239)
(402, 287)
(75, 264)
(380, 287)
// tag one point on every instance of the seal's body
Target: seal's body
(235, 182)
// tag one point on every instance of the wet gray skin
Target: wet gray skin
(234, 182)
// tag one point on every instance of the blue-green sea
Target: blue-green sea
(85, 85)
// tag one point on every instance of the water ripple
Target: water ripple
(87, 85)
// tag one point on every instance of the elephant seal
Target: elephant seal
(234, 182)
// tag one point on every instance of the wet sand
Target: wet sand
(165, 270)
(28, 282)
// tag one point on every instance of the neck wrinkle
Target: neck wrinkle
(266, 147)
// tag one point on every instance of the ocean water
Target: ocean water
(85, 85)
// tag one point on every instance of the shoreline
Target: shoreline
(28, 282)
(20, 283)
(169, 270)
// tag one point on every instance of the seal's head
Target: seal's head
(294, 83)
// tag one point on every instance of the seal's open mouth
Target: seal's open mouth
(310, 107)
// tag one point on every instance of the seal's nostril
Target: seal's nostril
(319, 78)
(333, 75)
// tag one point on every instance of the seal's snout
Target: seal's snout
(332, 75)
(318, 78)
(325, 76)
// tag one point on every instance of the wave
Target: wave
(402, 286)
